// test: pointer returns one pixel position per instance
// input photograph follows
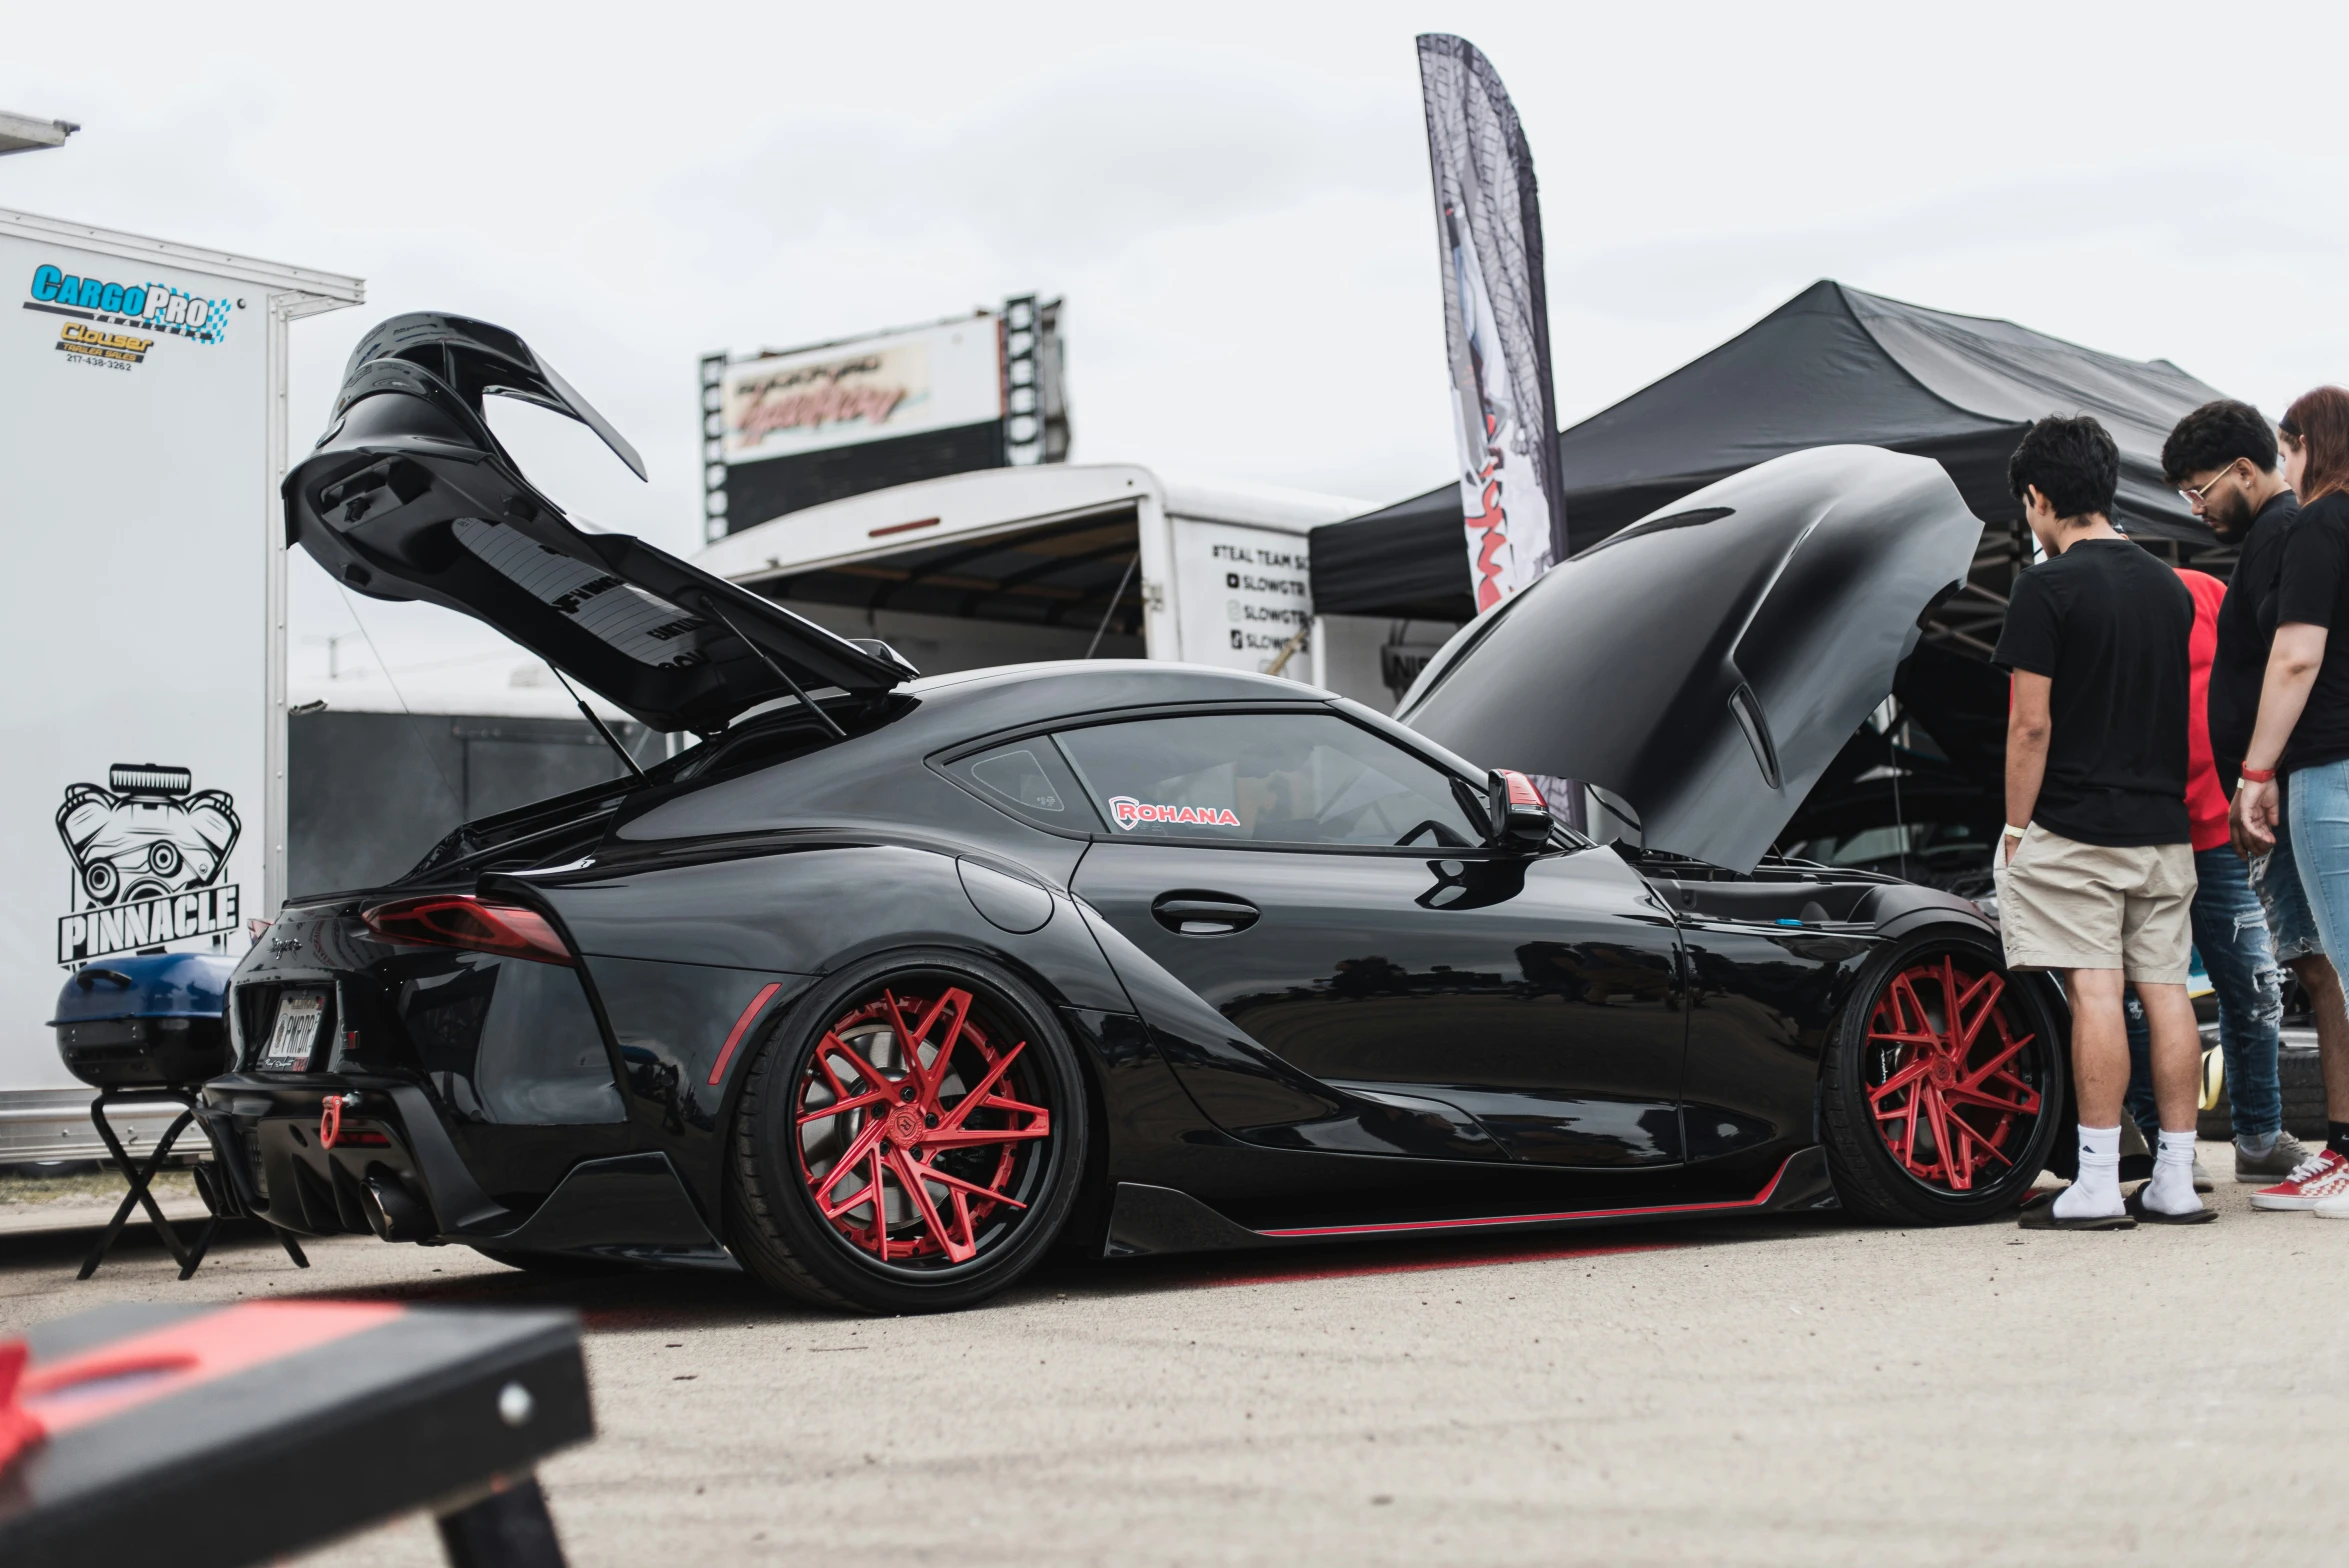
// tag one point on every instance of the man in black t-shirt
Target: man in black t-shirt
(2096, 868)
(2248, 919)
(2222, 458)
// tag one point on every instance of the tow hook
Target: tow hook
(330, 1116)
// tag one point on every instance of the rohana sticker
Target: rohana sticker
(1128, 813)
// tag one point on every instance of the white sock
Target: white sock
(2096, 1192)
(2258, 1146)
(2172, 1189)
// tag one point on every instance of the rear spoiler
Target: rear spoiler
(410, 495)
(474, 358)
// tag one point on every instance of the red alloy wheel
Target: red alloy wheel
(917, 1134)
(1951, 1089)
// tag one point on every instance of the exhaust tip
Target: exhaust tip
(393, 1212)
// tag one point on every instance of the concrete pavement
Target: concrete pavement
(1766, 1392)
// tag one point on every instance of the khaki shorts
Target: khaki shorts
(2068, 905)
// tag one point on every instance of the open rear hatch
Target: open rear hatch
(1706, 664)
(409, 496)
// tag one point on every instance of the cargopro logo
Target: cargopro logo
(156, 306)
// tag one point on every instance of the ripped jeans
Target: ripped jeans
(2231, 935)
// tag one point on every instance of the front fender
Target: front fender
(1900, 908)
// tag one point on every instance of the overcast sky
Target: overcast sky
(1234, 202)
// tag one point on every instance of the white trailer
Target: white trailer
(1054, 561)
(142, 437)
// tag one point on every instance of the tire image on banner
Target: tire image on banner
(1496, 319)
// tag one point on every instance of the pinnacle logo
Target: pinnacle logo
(150, 859)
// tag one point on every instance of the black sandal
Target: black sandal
(2039, 1214)
(2135, 1204)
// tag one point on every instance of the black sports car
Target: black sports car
(885, 986)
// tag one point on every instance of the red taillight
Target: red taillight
(444, 920)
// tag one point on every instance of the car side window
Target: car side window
(1265, 778)
(1029, 779)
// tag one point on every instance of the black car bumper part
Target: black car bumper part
(343, 1156)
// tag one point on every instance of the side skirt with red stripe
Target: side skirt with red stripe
(1153, 1221)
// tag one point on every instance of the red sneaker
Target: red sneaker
(2322, 1175)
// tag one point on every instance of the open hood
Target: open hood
(409, 496)
(1706, 664)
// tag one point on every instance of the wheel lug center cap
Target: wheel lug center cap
(1945, 1071)
(905, 1126)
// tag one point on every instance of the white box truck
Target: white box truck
(142, 437)
(1054, 561)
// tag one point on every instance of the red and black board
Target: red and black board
(238, 1434)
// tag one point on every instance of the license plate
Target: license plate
(294, 1036)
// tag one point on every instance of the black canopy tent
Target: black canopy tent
(1831, 365)
(1918, 792)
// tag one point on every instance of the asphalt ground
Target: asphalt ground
(1770, 1391)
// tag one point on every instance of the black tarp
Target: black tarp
(1830, 365)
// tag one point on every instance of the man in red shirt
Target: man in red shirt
(2230, 935)
(2206, 803)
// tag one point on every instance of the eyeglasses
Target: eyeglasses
(2199, 495)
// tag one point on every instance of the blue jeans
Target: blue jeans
(2231, 935)
(2318, 805)
(2275, 877)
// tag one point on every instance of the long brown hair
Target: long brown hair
(2318, 423)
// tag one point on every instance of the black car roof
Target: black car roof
(777, 770)
(952, 710)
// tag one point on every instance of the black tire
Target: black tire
(2300, 1073)
(560, 1265)
(1896, 1171)
(784, 1158)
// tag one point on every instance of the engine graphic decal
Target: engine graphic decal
(1127, 813)
(149, 853)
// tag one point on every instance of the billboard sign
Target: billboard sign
(784, 430)
(896, 384)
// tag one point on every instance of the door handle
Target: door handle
(1203, 914)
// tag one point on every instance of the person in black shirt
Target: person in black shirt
(2222, 458)
(2096, 869)
(2302, 734)
(2248, 919)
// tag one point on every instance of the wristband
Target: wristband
(2252, 775)
(2015, 832)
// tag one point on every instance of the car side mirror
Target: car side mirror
(1520, 817)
